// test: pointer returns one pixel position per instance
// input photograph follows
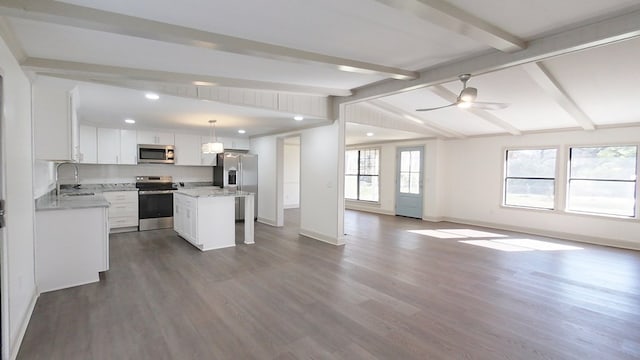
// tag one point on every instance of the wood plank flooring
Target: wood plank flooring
(387, 294)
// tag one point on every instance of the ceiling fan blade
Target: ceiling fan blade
(436, 108)
(488, 105)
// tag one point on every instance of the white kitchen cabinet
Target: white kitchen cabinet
(234, 143)
(188, 149)
(185, 218)
(72, 247)
(55, 122)
(88, 145)
(123, 210)
(128, 147)
(155, 137)
(108, 146)
(240, 144)
(206, 217)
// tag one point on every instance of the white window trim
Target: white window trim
(557, 172)
(367, 202)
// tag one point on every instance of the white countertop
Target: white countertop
(65, 202)
(211, 192)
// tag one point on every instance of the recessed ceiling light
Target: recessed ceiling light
(241, 131)
(298, 118)
(203, 83)
(369, 134)
(152, 96)
(129, 121)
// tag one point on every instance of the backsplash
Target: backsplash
(114, 174)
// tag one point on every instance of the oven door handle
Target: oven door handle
(155, 192)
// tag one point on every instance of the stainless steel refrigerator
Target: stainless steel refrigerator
(238, 171)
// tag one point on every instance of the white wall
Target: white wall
(433, 174)
(473, 187)
(18, 280)
(111, 174)
(266, 149)
(43, 177)
(463, 183)
(291, 176)
(321, 156)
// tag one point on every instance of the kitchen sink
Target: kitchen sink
(78, 194)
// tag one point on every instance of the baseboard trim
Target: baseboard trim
(267, 221)
(291, 206)
(433, 218)
(321, 237)
(15, 347)
(553, 234)
(370, 209)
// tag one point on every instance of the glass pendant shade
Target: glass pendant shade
(213, 146)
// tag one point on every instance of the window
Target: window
(530, 178)
(410, 172)
(602, 180)
(361, 174)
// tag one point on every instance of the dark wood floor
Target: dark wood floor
(387, 294)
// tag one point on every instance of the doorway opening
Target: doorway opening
(291, 181)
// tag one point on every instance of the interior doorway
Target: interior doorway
(291, 180)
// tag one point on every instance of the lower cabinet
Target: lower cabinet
(185, 215)
(123, 210)
(206, 222)
(72, 247)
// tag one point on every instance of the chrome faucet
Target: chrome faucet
(75, 175)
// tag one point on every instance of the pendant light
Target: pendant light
(213, 146)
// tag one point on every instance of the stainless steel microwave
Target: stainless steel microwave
(156, 154)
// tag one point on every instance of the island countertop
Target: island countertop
(212, 192)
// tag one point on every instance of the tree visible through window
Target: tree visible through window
(362, 169)
(530, 178)
(410, 172)
(602, 180)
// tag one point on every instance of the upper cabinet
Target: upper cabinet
(128, 147)
(153, 137)
(189, 151)
(55, 122)
(88, 145)
(108, 146)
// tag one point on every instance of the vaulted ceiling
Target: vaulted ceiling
(560, 65)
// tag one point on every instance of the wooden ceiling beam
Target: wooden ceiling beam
(541, 75)
(459, 21)
(93, 19)
(85, 71)
(615, 29)
(444, 93)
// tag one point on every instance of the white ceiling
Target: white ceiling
(597, 84)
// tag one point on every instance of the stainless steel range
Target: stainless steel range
(155, 202)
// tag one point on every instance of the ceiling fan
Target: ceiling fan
(467, 98)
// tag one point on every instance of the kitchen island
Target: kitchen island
(206, 217)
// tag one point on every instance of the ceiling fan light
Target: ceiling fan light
(464, 104)
(468, 94)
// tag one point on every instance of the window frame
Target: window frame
(505, 178)
(359, 174)
(636, 187)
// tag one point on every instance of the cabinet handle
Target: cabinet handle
(117, 159)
